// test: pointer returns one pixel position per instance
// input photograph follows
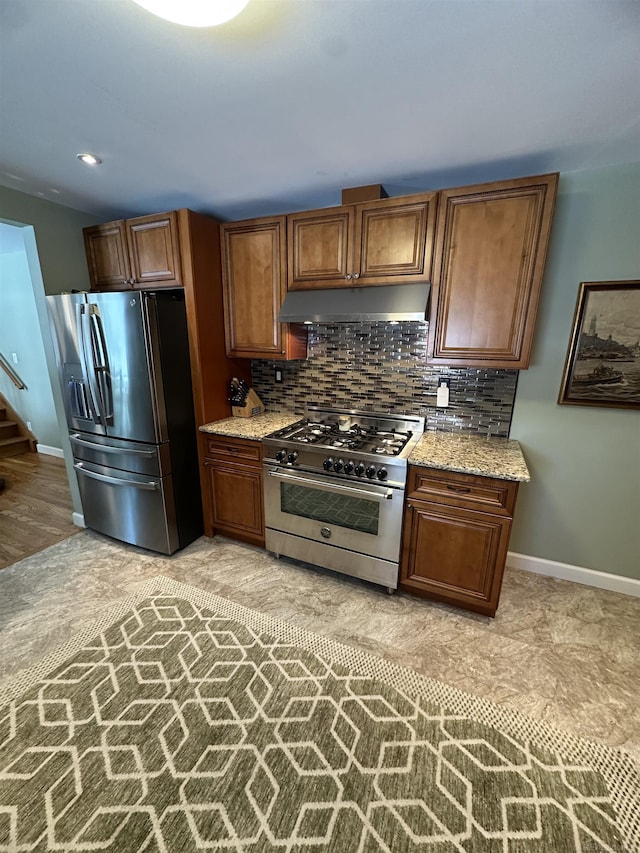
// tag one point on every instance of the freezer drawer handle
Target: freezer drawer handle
(103, 448)
(151, 485)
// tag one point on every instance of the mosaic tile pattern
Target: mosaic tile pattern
(382, 367)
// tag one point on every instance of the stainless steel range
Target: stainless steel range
(334, 490)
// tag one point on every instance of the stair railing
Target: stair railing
(13, 376)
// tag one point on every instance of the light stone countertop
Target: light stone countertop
(260, 426)
(450, 451)
(471, 454)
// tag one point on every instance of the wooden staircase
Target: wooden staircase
(15, 438)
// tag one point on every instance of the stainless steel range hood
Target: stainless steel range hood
(355, 304)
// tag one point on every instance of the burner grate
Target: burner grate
(380, 436)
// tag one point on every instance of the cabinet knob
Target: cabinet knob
(356, 275)
(348, 276)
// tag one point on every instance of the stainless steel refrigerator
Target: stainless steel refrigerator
(123, 361)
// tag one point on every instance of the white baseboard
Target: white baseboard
(51, 451)
(78, 519)
(567, 572)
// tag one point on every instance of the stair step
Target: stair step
(8, 429)
(14, 446)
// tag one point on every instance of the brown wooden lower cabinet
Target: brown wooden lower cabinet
(453, 549)
(234, 468)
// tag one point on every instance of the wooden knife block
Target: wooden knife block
(253, 406)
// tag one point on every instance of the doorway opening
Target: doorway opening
(27, 345)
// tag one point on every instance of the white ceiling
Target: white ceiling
(295, 99)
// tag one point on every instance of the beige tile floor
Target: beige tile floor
(561, 652)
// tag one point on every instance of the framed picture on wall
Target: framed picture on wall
(603, 360)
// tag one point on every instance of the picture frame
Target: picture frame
(602, 367)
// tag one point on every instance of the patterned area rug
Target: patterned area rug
(183, 722)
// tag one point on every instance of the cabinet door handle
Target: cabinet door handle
(356, 275)
(462, 489)
(348, 276)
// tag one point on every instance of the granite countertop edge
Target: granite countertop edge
(500, 458)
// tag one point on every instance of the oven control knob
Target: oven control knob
(349, 467)
(359, 469)
(338, 465)
(370, 472)
(382, 473)
(281, 455)
(328, 463)
(292, 457)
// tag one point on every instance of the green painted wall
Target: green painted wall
(58, 232)
(582, 506)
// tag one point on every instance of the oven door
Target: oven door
(362, 517)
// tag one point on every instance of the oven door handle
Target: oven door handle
(334, 487)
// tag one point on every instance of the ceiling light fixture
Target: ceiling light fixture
(194, 13)
(89, 159)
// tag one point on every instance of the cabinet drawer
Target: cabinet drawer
(486, 494)
(242, 450)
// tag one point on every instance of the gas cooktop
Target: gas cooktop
(346, 443)
(356, 437)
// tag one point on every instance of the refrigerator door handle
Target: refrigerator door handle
(88, 366)
(150, 485)
(150, 315)
(74, 438)
(78, 399)
(101, 361)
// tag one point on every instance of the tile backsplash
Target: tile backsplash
(381, 367)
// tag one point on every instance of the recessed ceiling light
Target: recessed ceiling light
(194, 13)
(90, 159)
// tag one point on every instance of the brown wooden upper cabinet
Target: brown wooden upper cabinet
(378, 242)
(491, 247)
(137, 253)
(254, 286)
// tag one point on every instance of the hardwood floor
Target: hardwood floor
(35, 505)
